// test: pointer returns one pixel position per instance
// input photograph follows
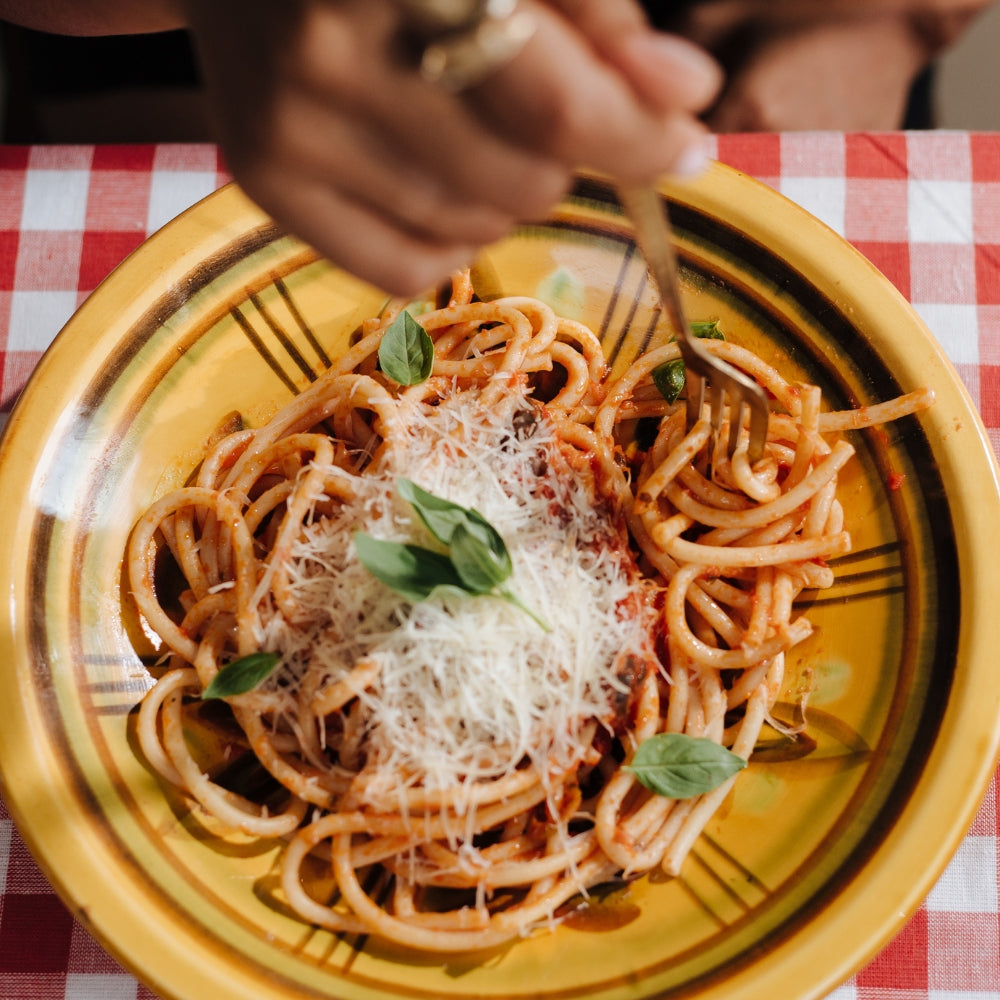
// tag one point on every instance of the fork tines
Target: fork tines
(706, 374)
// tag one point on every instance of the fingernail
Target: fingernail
(692, 161)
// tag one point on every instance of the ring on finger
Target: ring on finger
(465, 41)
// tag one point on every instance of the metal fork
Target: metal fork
(706, 376)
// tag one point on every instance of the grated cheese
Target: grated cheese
(469, 686)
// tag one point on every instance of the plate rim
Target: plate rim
(221, 219)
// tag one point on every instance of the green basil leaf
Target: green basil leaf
(679, 766)
(441, 516)
(479, 556)
(669, 379)
(410, 570)
(478, 560)
(241, 675)
(477, 526)
(406, 353)
(707, 329)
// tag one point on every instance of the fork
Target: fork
(707, 376)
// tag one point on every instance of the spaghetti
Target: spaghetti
(460, 767)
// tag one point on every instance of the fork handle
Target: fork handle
(651, 224)
(654, 237)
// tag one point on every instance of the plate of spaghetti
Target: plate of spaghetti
(363, 648)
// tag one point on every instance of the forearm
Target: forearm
(812, 10)
(841, 76)
(819, 64)
(94, 17)
(724, 23)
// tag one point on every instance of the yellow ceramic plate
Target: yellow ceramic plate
(812, 863)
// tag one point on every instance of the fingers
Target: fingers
(399, 147)
(374, 167)
(367, 244)
(330, 128)
(420, 128)
(667, 71)
(560, 97)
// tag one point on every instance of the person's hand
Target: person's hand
(850, 75)
(820, 64)
(327, 124)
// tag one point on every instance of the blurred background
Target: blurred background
(144, 89)
(139, 88)
(967, 81)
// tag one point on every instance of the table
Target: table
(924, 207)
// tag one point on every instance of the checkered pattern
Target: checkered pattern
(924, 207)
(68, 216)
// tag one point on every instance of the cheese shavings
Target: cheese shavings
(467, 688)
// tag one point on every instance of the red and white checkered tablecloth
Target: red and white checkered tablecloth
(924, 207)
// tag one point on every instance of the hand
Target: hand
(841, 76)
(820, 64)
(326, 123)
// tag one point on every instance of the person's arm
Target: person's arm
(325, 120)
(94, 17)
(821, 64)
(841, 75)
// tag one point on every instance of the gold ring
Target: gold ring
(467, 40)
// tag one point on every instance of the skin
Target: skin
(326, 123)
(840, 65)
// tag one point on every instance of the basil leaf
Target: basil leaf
(669, 379)
(707, 329)
(241, 675)
(484, 532)
(477, 562)
(410, 570)
(406, 353)
(679, 766)
(441, 516)
(480, 558)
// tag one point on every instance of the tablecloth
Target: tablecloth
(924, 207)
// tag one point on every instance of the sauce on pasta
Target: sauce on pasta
(460, 767)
